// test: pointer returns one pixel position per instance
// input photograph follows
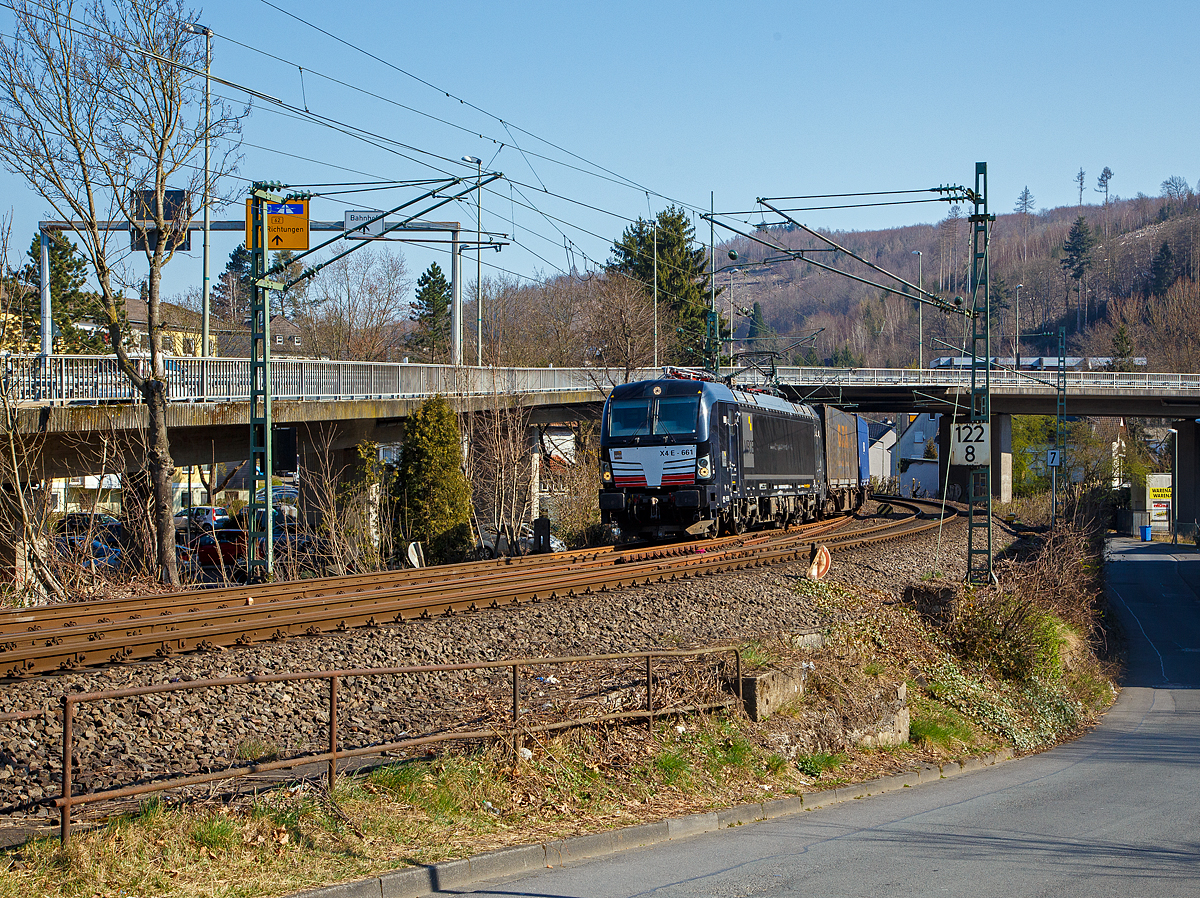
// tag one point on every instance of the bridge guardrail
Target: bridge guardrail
(73, 379)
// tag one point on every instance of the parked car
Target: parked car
(208, 517)
(219, 547)
(91, 552)
(281, 495)
(96, 523)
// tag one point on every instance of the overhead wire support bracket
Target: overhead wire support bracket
(917, 293)
(397, 226)
(801, 255)
(979, 477)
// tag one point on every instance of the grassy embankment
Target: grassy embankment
(984, 669)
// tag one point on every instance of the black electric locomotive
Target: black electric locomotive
(682, 455)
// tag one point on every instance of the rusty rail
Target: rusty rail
(43, 640)
(67, 800)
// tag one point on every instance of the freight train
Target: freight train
(686, 455)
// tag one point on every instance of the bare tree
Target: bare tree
(619, 328)
(1080, 179)
(22, 542)
(357, 308)
(99, 112)
(1176, 189)
(500, 459)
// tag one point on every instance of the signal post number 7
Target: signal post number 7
(972, 444)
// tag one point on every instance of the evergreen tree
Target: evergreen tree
(1162, 270)
(1122, 351)
(758, 330)
(1024, 208)
(842, 358)
(683, 280)
(1077, 258)
(231, 293)
(431, 312)
(433, 493)
(70, 304)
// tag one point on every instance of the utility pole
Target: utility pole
(478, 163)
(205, 301)
(1017, 328)
(1060, 423)
(260, 526)
(920, 310)
(979, 480)
(714, 323)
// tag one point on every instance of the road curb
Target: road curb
(413, 882)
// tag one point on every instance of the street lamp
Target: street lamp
(478, 163)
(920, 310)
(197, 28)
(1174, 478)
(1017, 327)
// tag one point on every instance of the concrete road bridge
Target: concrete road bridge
(78, 405)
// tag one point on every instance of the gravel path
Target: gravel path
(122, 740)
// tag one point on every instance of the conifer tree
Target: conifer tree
(231, 293)
(1024, 208)
(758, 332)
(70, 304)
(682, 274)
(433, 493)
(1077, 258)
(1162, 270)
(431, 312)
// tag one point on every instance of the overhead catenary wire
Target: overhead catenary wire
(382, 142)
(389, 144)
(508, 125)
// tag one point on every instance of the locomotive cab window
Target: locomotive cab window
(676, 415)
(664, 416)
(629, 417)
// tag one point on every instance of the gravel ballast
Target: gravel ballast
(121, 741)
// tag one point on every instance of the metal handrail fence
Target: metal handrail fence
(72, 379)
(70, 702)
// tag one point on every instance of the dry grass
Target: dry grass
(413, 812)
(474, 798)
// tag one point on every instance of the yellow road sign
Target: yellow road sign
(287, 225)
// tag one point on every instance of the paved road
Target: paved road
(1115, 813)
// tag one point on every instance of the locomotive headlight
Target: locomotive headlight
(703, 468)
(606, 472)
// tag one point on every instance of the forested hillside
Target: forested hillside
(1091, 268)
(1121, 276)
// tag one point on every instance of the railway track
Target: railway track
(71, 636)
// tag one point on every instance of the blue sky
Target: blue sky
(680, 99)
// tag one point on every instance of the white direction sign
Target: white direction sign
(971, 444)
(359, 225)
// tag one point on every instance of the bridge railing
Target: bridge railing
(67, 379)
(71, 379)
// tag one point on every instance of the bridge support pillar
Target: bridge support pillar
(1002, 458)
(1187, 490)
(535, 472)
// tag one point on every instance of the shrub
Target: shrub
(433, 494)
